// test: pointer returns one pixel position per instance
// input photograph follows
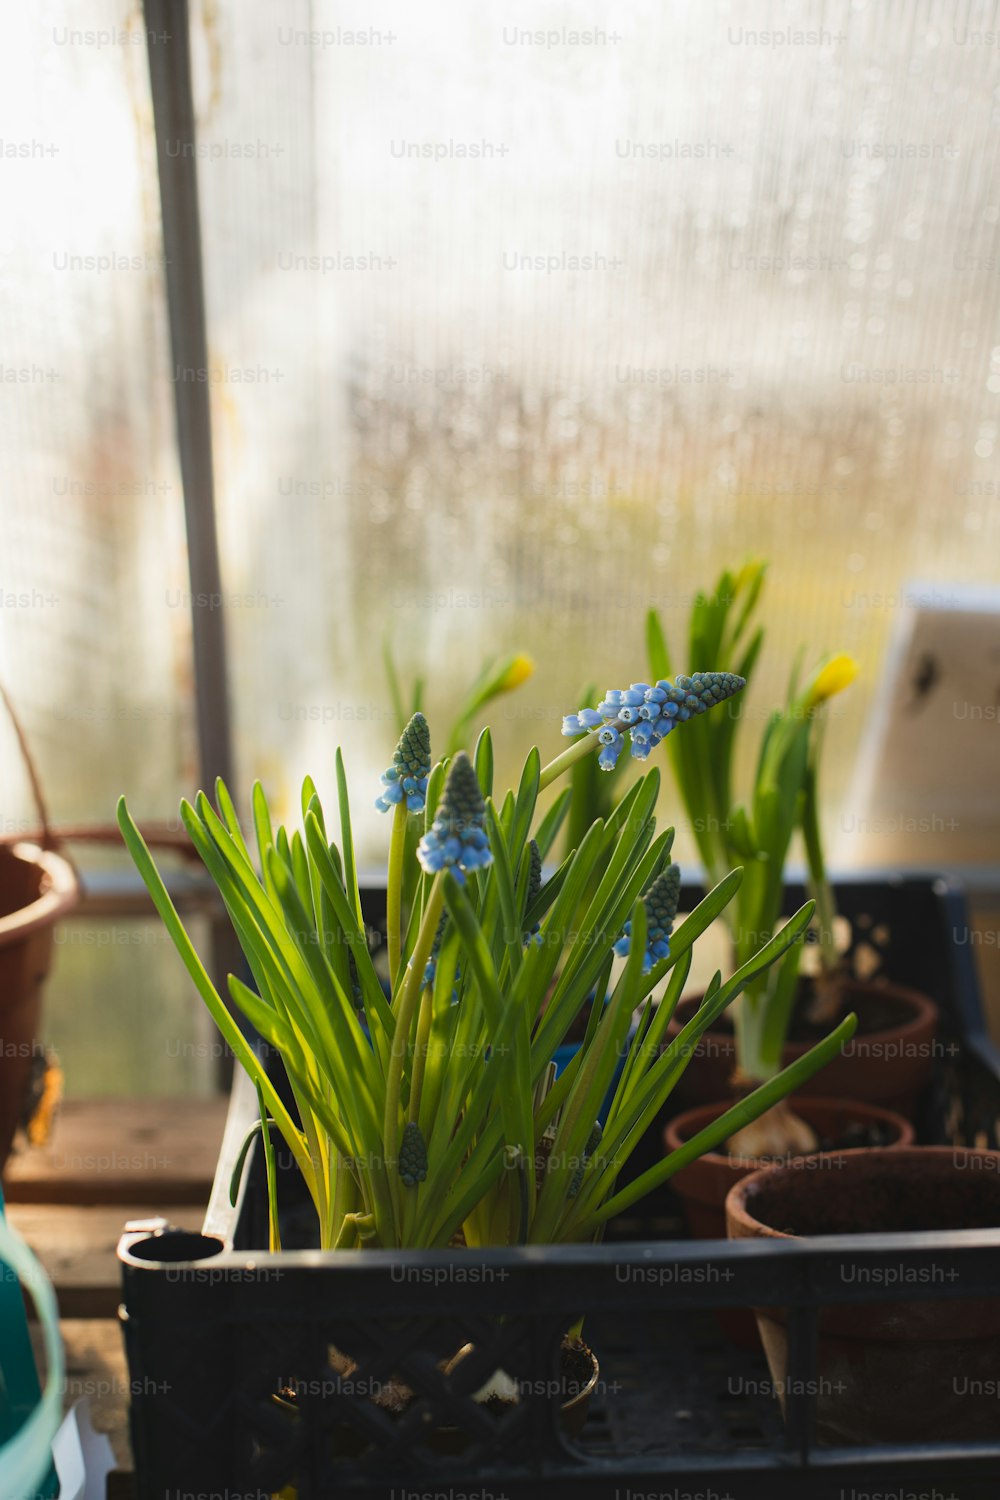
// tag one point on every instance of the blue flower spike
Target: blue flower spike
(534, 887)
(647, 713)
(412, 1155)
(406, 778)
(456, 840)
(660, 902)
(430, 968)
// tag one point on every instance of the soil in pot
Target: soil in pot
(888, 1060)
(897, 1371)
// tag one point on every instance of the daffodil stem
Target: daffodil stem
(394, 891)
(586, 745)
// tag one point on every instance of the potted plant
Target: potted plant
(38, 886)
(432, 1117)
(891, 1059)
(893, 1371)
(781, 1009)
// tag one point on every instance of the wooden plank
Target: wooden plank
(96, 1368)
(150, 1153)
(77, 1248)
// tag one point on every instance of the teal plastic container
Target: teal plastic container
(29, 1416)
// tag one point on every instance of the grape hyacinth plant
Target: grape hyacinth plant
(429, 1113)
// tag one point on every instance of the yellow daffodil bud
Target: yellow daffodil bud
(835, 675)
(517, 670)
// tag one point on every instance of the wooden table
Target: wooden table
(109, 1160)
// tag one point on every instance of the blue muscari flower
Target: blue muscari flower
(456, 840)
(647, 713)
(411, 764)
(660, 902)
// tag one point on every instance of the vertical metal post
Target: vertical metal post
(168, 49)
(167, 40)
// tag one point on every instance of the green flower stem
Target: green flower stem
(408, 999)
(562, 763)
(394, 891)
(826, 909)
(424, 1020)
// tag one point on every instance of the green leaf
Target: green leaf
(508, 1027)
(548, 828)
(527, 796)
(656, 647)
(743, 1113)
(346, 840)
(600, 1060)
(217, 1009)
(504, 878)
(483, 762)
(380, 1018)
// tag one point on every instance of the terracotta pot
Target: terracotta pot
(888, 1066)
(704, 1185)
(37, 887)
(887, 1372)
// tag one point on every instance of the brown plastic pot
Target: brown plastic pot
(704, 1185)
(37, 887)
(887, 1372)
(888, 1066)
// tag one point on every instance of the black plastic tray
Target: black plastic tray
(214, 1326)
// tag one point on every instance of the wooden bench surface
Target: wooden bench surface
(77, 1248)
(151, 1152)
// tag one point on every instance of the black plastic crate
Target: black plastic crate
(214, 1326)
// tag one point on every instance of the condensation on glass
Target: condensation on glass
(518, 324)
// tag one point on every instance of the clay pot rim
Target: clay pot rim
(925, 1010)
(752, 1227)
(803, 1104)
(60, 892)
(586, 1391)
